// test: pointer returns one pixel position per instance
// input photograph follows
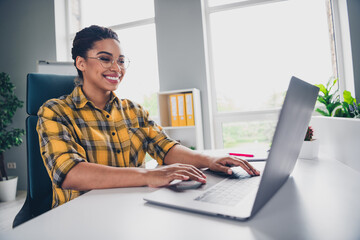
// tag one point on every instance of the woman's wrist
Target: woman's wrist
(204, 160)
(142, 176)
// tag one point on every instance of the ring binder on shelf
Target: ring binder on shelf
(189, 109)
(174, 110)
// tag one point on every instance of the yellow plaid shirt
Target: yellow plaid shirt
(72, 130)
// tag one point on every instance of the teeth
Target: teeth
(112, 78)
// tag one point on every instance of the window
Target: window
(254, 51)
(108, 12)
(134, 22)
(141, 82)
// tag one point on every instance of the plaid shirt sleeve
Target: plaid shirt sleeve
(156, 142)
(59, 149)
(159, 143)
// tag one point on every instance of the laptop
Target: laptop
(241, 196)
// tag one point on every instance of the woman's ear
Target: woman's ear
(80, 63)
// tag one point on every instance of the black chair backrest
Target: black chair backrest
(40, 88)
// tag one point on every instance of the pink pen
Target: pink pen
(241, 155)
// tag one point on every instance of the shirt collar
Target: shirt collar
(79, 99)
(114, 99)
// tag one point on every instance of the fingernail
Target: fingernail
(229, 171)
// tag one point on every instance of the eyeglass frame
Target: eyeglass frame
(112, 62)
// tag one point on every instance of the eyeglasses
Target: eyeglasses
(107, 62)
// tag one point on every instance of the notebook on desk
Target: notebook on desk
(240, 196)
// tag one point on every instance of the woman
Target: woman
(90, 139)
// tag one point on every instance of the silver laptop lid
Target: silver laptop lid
(291, 128)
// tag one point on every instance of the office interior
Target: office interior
(28, 35)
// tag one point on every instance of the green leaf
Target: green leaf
(337, 111)
(331, 106)
(322, 112)
(333, 83)
(322, 88)
(9, 103)
(322, 100)
(348, 98)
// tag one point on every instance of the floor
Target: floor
(8, 210)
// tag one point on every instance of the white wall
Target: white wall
(181, 52)
(27, 35)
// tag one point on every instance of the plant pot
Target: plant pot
(339, 139)
(309, 149)
(8, 189)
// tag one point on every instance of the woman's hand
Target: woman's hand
(163, 176)
(224, 164)
(183, 164)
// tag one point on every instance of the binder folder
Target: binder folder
(181, 109)
(190, 120)
(174, 110)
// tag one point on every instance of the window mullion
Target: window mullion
(138, 23)
(211, 80)
(343, 46)
(236, 5)
(67, 28)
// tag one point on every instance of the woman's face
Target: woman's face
(96, 75)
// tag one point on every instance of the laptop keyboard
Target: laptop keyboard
(230, 191)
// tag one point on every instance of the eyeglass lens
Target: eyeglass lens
(107, 62)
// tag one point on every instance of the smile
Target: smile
(112, 79)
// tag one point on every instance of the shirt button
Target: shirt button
(107, 116)
(118, 151)
(113, 133)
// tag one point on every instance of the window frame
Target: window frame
(343, 46)
(220, 118)
(63, 9)
(133, 24)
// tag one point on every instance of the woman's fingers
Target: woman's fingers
(191, 176)
(175, 177)
(251, 167)
(232, 161)
(223, 168)
(185, 167)
(192, 169)
(165, 175)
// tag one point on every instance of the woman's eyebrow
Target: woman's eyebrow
(110, 54)
(104, 52)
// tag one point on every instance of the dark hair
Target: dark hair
(84, 40)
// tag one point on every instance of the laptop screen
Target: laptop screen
(289, 135)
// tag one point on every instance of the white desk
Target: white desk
(320, 201)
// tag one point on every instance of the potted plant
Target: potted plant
(310, 147)
(339, 127)
(8, 137)
(333, 106)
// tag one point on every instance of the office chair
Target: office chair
(40, 88)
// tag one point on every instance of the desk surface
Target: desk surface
(319, 201)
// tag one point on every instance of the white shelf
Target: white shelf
(190, 136)
(179, 128)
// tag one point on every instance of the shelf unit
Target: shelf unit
(189, 136)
